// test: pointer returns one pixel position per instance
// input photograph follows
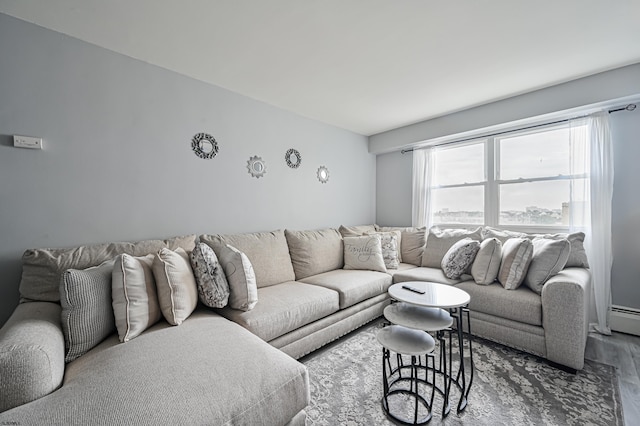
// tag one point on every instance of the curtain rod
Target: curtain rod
(629, 107)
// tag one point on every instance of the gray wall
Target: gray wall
(394, 206)
(117, 162)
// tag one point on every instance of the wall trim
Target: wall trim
(625, 320)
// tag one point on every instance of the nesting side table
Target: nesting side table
(435, 310)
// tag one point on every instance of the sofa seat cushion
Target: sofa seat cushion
(521, 304)
(207, 371)
(283, 308)
(423, 273)
(353, 286)
(401, 268)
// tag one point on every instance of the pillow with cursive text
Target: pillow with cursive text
(364, 253)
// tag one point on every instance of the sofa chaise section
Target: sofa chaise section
(206, 371)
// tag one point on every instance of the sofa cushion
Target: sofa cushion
(213, 287)
(401, 268)
(549, 258)
(283, 308)
(133, 291)
(459, 257)
(356, 231)
(43, 268)
(411, 243)
(243, 291)
(87, 315)
(516, 257)
(352, 286)
(267, 251)
(176, 285)
(521, 304)
(315, 252)
(364, 253)
(439, 241)
(434, 275)
(207, 371)
(487, 262)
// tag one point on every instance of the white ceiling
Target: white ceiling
(363, 65)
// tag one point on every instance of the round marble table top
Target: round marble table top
(435, 295)
(406, 341)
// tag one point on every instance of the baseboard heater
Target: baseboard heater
(625, 320)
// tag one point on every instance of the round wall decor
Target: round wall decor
(323, 174)
(293, 158)
(256, 166)
(204, 146)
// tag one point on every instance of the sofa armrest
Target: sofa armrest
(31, 354)
(565, 310)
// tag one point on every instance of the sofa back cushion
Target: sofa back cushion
(42, 269)
(356, 231)
(411, 243)
(439, 241)
(315, 252)
(268, 253)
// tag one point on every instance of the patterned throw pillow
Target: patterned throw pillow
(389, 245)
(516, 257)
(213, 287)
(487, 263)
(134, 297)
(242, 280)
(459, 257)
(87, 315)
(364, 253)
(176, 285)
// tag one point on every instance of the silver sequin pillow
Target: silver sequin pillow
(459, 257)
(213, 288)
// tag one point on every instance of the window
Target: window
(518, 179)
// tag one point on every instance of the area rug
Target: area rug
(510, 387)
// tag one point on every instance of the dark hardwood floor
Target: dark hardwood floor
(622, 351)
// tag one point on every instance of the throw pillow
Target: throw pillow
(87, 315)
(439, 241)
(577, 254)
(459, 257)
(411, 243)
(177, 290)
(502, 234)
(487, 263)
(364, 252)
(549, 258)
(516, 257)
(389, 245)
(134, 297)
(213, 287)
(243, 293)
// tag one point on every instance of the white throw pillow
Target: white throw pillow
(487, 262)
(177, 290)
(134, 298)
(213, 287)
(459, 257)
(242, 280)
(364, 253)
(549, 257)
(516, 257)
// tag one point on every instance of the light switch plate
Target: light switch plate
(27, 142)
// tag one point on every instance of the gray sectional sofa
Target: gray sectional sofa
(226, 366)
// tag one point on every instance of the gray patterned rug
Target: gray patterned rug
(509, 388)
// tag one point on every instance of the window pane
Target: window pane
(458, 205)
(535, 203)
(459, 164)
(540, 154)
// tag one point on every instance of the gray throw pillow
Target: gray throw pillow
(213, 288)
(516, 257)
(242, 279)
(549, 257)
(87, 315)
(487, 263)
(459, 257)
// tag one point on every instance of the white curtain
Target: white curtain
(590, 212)
(422, 176)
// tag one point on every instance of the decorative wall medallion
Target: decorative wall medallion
(204, 145)
(293, 158)
(323, 174)
(256, 166)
